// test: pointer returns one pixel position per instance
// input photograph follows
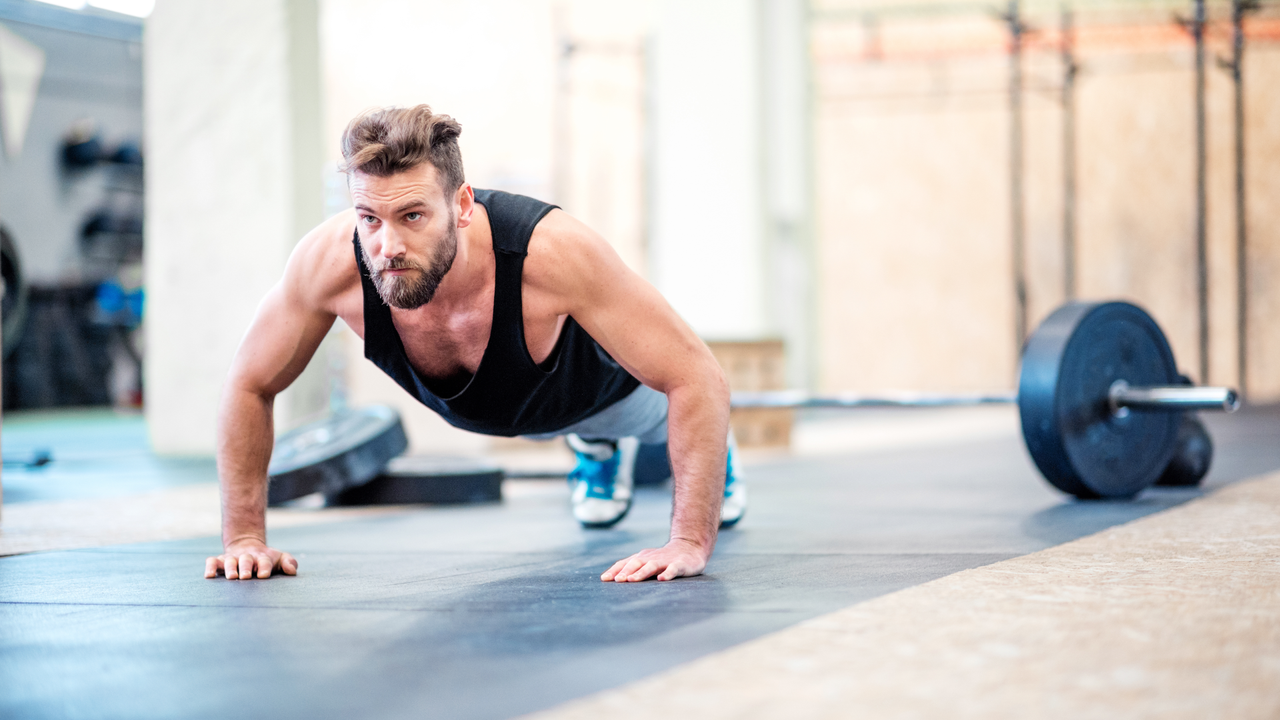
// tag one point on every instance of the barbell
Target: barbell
(1099, 397)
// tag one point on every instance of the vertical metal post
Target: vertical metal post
(1016, 29)
(1069, 70)
(1202, 260)
(1238, 10)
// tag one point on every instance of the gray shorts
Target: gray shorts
(642, 414)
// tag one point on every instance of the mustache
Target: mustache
(399, 262)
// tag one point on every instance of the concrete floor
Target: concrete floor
(497, 611)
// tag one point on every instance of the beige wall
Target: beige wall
(912, 154)
(913, 255)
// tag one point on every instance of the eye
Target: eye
(368, 219)
(411, 217)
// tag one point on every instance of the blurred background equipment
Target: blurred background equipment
(14, 303)
(436, 480)
(71, 199)
(341, 451)
(1100, 399)
(754, 367)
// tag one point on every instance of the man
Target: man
(504, 315)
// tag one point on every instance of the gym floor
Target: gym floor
(497, 611)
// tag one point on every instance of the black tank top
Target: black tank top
(509, 394)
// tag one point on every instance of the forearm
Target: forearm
(698, 426)
(245, 438)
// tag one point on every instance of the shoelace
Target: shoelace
(597, 474)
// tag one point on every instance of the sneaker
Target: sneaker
(602, 480)
(735, 491)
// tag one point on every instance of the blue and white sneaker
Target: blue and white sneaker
(735, 490)
(602, 479)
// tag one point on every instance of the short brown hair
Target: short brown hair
(386, 141)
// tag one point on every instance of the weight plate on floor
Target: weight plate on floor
(1193, 456)
(345, 449)
(1068, 367)
(417, 479)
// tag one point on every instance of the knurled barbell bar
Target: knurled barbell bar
(1099, 396)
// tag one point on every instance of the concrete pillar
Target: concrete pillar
(234, 163)
(786, 147)
(705, 169)
(729, 170)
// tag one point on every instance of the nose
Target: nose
(392, 244)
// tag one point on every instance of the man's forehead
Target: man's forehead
(420, 180)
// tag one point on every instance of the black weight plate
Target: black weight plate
(417, 479)
(1068, 367)
(13, 306)
(343, 450)
(1193, 456)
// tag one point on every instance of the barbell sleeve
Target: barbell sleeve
(1171, 398)
(802, 399)
(1122, 396)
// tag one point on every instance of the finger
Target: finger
(229, 567)
(613, 571)
(645, 572)
(672, 572)
(288, 565)
(265, 566)
(245, 566)
(629, 567)
(634, 563)
(211, 567)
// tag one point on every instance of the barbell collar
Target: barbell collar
(1170, 398)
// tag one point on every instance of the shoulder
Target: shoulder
(566, 257)
(322, 265)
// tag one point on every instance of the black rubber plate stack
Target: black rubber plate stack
(1068, 368)
(346, 449)
(420, 479)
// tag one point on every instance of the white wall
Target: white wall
(706, 251)
(488, 63)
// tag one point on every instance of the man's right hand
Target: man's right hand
(243, 559)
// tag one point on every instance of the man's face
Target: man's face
(408, 232)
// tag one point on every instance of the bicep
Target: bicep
(283, 336)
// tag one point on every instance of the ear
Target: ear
(465, 203)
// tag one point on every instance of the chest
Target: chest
(447, 342)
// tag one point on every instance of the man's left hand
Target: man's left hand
(678, 558)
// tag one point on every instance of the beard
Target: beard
(416, 288)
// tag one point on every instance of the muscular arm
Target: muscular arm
(287, 329)
(640, 330)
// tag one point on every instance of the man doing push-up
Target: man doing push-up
(504, 315)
